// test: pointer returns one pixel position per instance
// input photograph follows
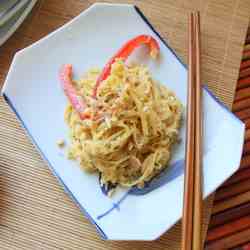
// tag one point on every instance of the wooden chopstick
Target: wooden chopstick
(197, 217)
(192, 207)
(187, 221)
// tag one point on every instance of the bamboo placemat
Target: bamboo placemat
(35, 213)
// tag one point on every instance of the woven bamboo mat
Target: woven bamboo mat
(35, 213)
(230, 223)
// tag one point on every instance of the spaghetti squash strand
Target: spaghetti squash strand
(138, 122)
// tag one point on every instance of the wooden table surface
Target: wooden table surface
(230, 223)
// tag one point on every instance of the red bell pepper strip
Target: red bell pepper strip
(75, 99)
(124, 53)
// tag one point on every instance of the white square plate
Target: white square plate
(33, 92)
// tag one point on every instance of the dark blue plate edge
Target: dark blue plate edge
(66, 189)
(139, 12)
(157, 33)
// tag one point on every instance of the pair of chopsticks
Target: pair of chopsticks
(192, 208)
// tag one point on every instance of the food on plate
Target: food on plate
(60, 143)
(123, 124)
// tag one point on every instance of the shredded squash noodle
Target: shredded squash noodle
(132, 125)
